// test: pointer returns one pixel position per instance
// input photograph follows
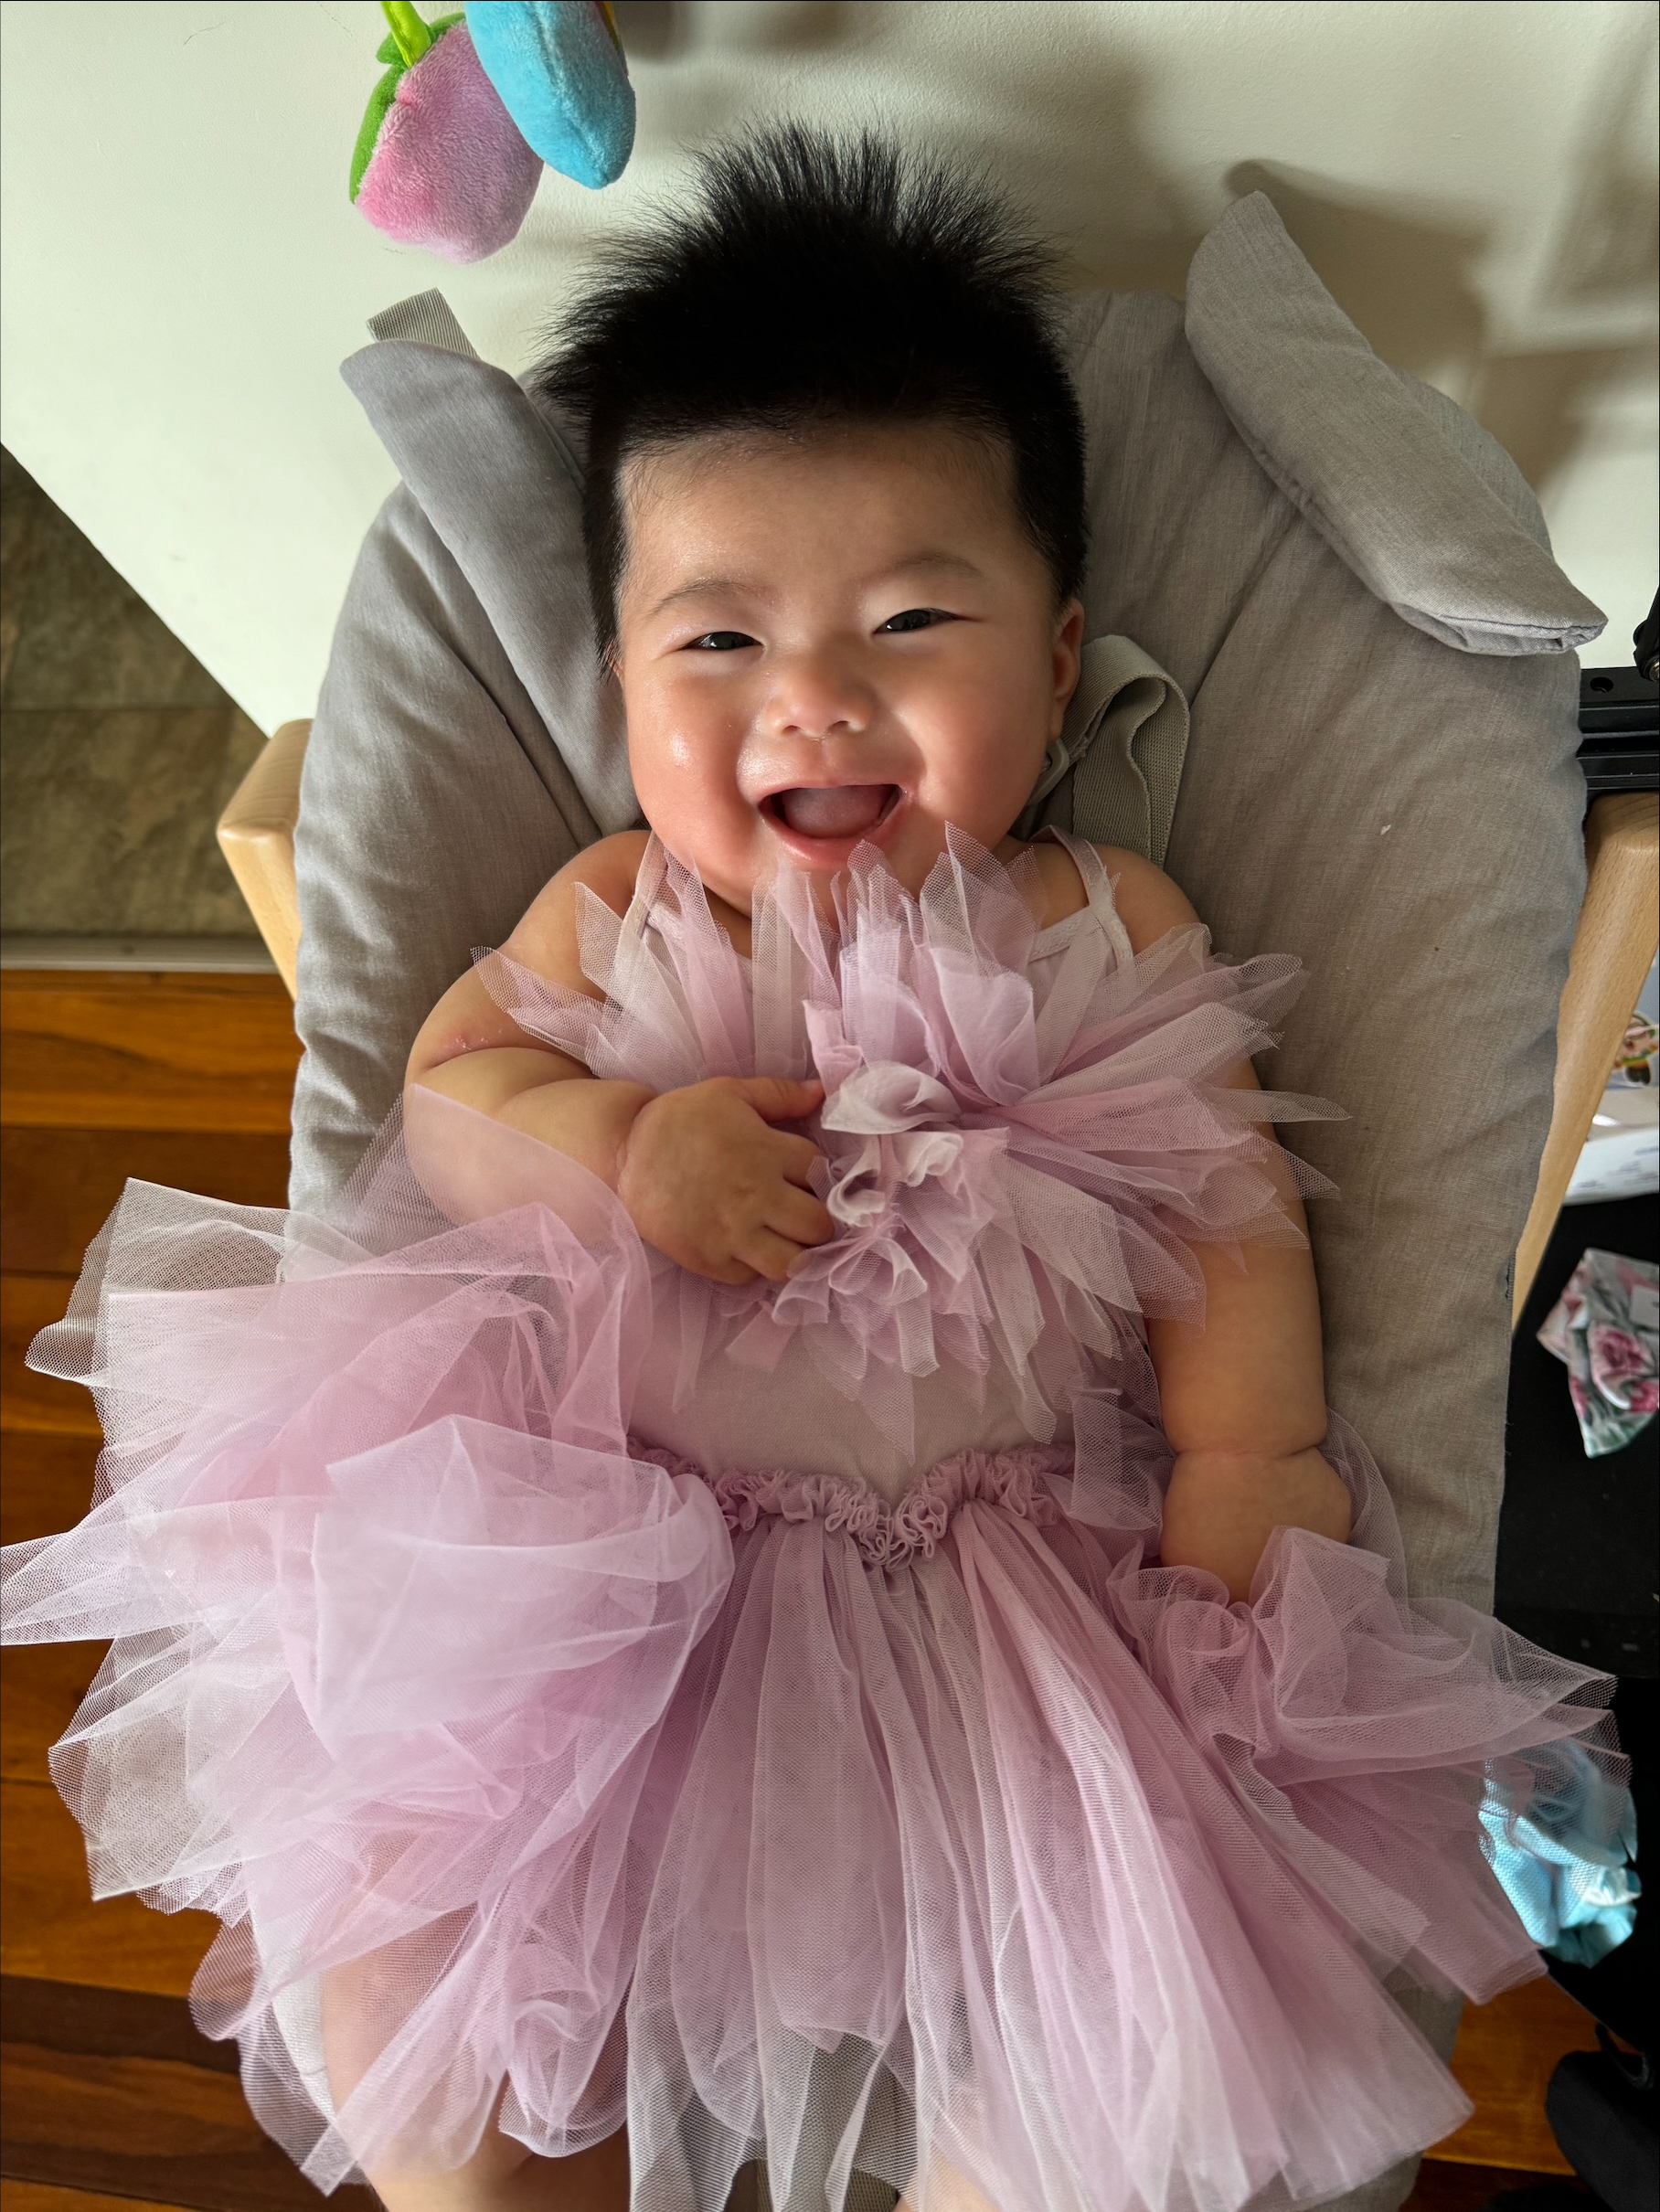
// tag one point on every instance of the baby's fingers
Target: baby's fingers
(795, 1156)
(768, 1254)
(733, 1271)
(781, 1098)
(798, 1215)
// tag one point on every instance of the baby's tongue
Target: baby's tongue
(841, 810)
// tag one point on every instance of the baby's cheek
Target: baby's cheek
(982, 763)
(682, 754)
(677, 729)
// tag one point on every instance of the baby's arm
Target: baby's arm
(1243, 1396)
(701, 1172)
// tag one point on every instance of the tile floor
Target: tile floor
(117, 749)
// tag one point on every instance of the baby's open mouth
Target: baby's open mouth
(835, 809)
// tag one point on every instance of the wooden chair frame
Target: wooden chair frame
(256, 835)
(1613, 945)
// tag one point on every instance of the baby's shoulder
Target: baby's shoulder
(610, 868)
(1149, 902)
(545, 936)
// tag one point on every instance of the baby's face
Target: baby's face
(821, 641)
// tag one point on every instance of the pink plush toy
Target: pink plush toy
(439, 161)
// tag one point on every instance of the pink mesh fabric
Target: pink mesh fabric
(1007, 1173)
(943, 1834)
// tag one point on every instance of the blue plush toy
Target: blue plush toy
(558, 66)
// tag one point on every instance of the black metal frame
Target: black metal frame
(1620, 719)
(1619, 730)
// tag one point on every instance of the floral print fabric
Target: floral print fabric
(1604, 1329)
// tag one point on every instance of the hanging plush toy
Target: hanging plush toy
(456, 132)
(559, 67)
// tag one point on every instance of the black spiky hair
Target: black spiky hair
(815, 280)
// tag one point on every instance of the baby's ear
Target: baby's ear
(1068, 658)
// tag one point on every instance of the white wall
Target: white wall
(182, 271)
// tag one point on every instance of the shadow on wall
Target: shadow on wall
(1068, 140)
(662, 30)
(1607, 241)
(1073, 148)
(1062, 138)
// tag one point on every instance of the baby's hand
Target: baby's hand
(709, 1184)
(1222, 1508)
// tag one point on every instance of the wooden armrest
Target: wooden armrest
(256, 835)
(1613, 947)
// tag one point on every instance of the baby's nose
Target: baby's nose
(818, 696)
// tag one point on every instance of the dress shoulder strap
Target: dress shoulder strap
(1097, 885)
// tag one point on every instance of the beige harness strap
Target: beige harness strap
(1114, 774)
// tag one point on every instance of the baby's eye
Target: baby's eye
(721, 640)
(915, 618)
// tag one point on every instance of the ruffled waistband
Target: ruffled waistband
(884, 1535)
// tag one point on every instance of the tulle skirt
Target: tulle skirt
(543, 1779)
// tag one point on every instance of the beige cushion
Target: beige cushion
(1405, 818)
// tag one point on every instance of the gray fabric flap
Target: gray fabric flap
(1116, 768)
(1383, 473)
(502, 489)
(1114, 774)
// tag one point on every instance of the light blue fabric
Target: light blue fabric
(562, 77)
(1576, 1898)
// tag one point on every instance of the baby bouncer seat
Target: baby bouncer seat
(1331, 689)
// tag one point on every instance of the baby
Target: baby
(775, 1581)
(836, 583)
(836, 521)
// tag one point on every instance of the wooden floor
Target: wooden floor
(108, 2096)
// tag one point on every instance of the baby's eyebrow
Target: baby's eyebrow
(697, 587)
(700, 585)
(948, 564)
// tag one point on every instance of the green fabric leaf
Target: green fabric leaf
(382, 97)
(374, 116)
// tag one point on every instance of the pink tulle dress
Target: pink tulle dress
(590, 1695)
